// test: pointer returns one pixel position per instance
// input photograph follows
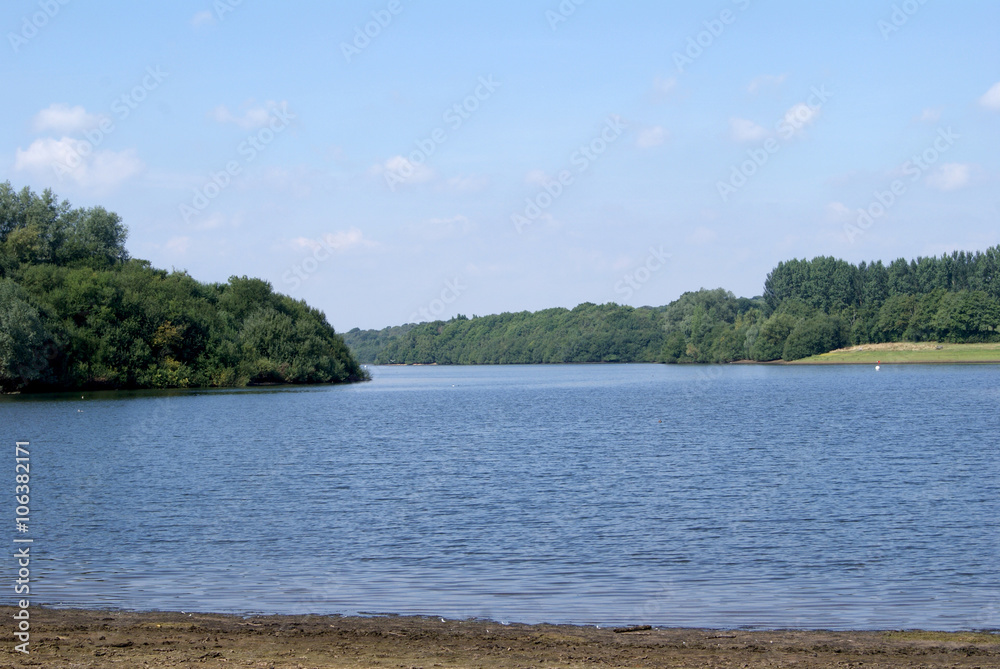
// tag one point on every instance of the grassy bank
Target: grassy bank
(905, 352)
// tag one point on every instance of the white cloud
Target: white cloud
(838, 212)
(212, 221)
(469, 184)
(77, 160)
(743, 130)
(537, 178)
(305, 243)
(399, 169)
(61, 118)
(799, 117)
(664, 87)
(179, 245)
(992, 98)
(765, 80)
(650, 137)
(252, 118)
(930, 115)
(344, 240)
(443, 228)
(202, 18)
(340, 241)
(950, 176)
(622, 262)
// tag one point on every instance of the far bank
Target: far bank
(908, 353)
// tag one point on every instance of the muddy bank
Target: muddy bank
(69, 638)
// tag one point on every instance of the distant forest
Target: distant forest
(807, 307)
(77, 312)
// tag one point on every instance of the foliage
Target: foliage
(24, 342)
(365, 344)
(819, 334)
(77, 312)
(770, 343)
(808, 306)
(588, 333)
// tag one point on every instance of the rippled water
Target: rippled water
(679, 496)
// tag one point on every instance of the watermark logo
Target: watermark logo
(900, 16)
(22, 517)
(561, 14)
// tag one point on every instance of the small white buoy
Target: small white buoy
(878, 365)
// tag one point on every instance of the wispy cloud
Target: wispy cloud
(75, 159)
(205, 18)
(838, 212)
(62, 118)
(766, 81)
(650, 137)
(992, 98)
(701, 236)
(800, 116)
(950, 176)
(467, 184)
(537, 178)
(179, 245)
(662, 87)
(742, 130)
(252, 117)
(399, 169)
(442, 228)
(930, 115)
(340, 241)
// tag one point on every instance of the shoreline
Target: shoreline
(63, 638)
(829, 363)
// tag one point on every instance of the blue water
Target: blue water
(735, 496)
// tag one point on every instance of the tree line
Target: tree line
(76, 311)
(807, 307)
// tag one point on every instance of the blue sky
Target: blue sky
(522, 155)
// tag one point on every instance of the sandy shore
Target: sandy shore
(69, 638)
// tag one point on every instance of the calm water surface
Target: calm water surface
(679, 496)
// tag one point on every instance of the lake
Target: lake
(718, 496)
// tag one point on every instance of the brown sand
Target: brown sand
(61, 639)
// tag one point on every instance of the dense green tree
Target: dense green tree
(894, 318)
(770, 342)
(951, 297)
(967, 317)
(815, 335)
(675, 348)
(24, 342)
(78, 312)
(923, 324)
